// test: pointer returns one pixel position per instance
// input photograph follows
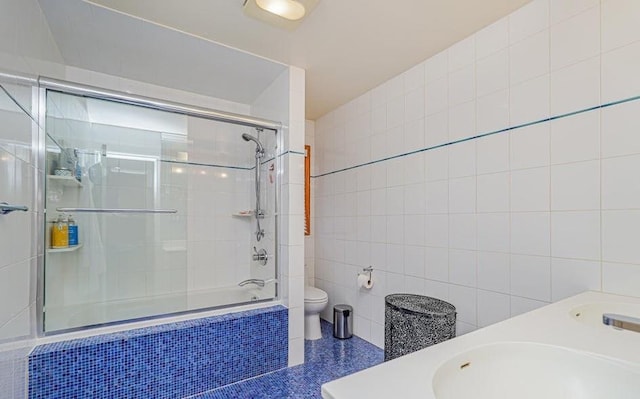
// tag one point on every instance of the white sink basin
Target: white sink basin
(533, 371)
(560, 351)
(592, 313)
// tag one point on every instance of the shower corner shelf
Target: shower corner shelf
(67, 181)
(242, 214)
(60, 250)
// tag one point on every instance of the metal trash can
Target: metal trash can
(342, 321)
(413, 322)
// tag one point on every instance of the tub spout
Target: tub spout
(260, 283)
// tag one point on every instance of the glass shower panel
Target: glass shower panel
(221, 213)
(162, 202)
(16, 190)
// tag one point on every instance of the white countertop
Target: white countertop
(411, 376)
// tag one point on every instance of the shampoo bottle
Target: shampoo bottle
(60, 233)
(73, 232)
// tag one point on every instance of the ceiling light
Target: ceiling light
(289, 9)
(285, 14)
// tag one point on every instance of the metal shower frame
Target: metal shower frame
(40, 85)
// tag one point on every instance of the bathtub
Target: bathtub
(74, 317)
(167, 359)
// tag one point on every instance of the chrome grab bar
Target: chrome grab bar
(621, 322)
(6, 208)
(116, 210)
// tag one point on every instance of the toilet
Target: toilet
(315, 300)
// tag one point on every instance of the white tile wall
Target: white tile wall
(576, 38)
(575, 86)
(565, 132)
(513, 220)
(529, 58)
(29, 48)
(282, 102)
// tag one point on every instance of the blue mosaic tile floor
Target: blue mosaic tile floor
(326, 359)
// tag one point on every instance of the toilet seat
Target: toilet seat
(314, 295)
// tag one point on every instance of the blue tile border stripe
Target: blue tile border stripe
(280, 156)
(481, 135)
(166, 361)
(230, 166)
(292, 152)
(205, 164)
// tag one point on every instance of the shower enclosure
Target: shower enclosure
(171, 213)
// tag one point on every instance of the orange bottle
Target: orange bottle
(60, 234)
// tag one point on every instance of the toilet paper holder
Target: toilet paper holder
(368, 270)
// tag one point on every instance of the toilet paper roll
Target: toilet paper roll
(364, 282)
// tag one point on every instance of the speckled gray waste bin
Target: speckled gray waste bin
(413, 322)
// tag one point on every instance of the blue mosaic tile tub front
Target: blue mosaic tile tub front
(167, 361)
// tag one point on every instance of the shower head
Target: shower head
(248, 137)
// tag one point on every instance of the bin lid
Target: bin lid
(313, 294)
(342, 308)
(420, 304)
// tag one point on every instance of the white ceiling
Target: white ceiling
(346, 46)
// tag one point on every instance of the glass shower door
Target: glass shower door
(104, 173)
(164, 206)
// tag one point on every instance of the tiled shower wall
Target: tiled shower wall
(17, 171)
(546, 207)
(28, 48)
(19, 259)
